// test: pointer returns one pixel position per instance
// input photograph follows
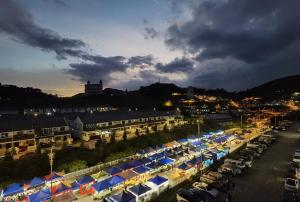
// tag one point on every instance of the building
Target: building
(105, 124)
(27, 133)
(93, 88)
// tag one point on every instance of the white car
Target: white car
(291, 184)
(296, 159)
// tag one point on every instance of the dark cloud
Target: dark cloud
(100, 69)
(254, 35)
(141, 60)
(177, 65)
(19, 24)
(150, 33)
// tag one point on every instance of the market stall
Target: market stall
(40, 196)
(142, 192)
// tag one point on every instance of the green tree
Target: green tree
(73, 166)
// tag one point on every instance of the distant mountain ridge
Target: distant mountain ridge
(146, 96)
(275, 89)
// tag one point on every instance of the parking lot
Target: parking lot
(264, 182)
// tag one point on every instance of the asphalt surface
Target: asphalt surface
(264, 182)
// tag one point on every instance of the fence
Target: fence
(97, 168)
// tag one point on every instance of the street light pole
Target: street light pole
(51, 158)
(198, 123)
(241, 121)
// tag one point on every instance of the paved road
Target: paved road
(264, 181)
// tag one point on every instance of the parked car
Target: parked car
(229, 169)
(291, 184)
(259, 149)
(206, 187)
(239, 163)
(247, 159)
(250, 150)
(193, 195)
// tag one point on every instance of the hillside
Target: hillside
(18, 97)
(150, 96)
(276, 89)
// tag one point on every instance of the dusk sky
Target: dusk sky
(58, 45)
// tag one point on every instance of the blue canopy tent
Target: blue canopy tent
(139, 189)
(114, 180)
(113, 170)
(125, 166)
(183, 140)
(195, 161)
(108, 183)
(12, 189)
(124, 196)
(86, 179)
(156, 156)
(141, 169)
(75, 185)
(40, 196)
(165, 161)
(154, 165)
(158, 180)
(102, 185)
(135, 163)
(184, 166)
(145, 161)
(61, 188)
(35, 182)
(207, 160)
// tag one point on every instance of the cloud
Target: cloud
(60, 3)
(100, 69)
(19, 24)
(177, 65)
(239, 43)
(150, 33)
(141, 60)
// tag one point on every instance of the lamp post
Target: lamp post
(241, 121)
(51, 158)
